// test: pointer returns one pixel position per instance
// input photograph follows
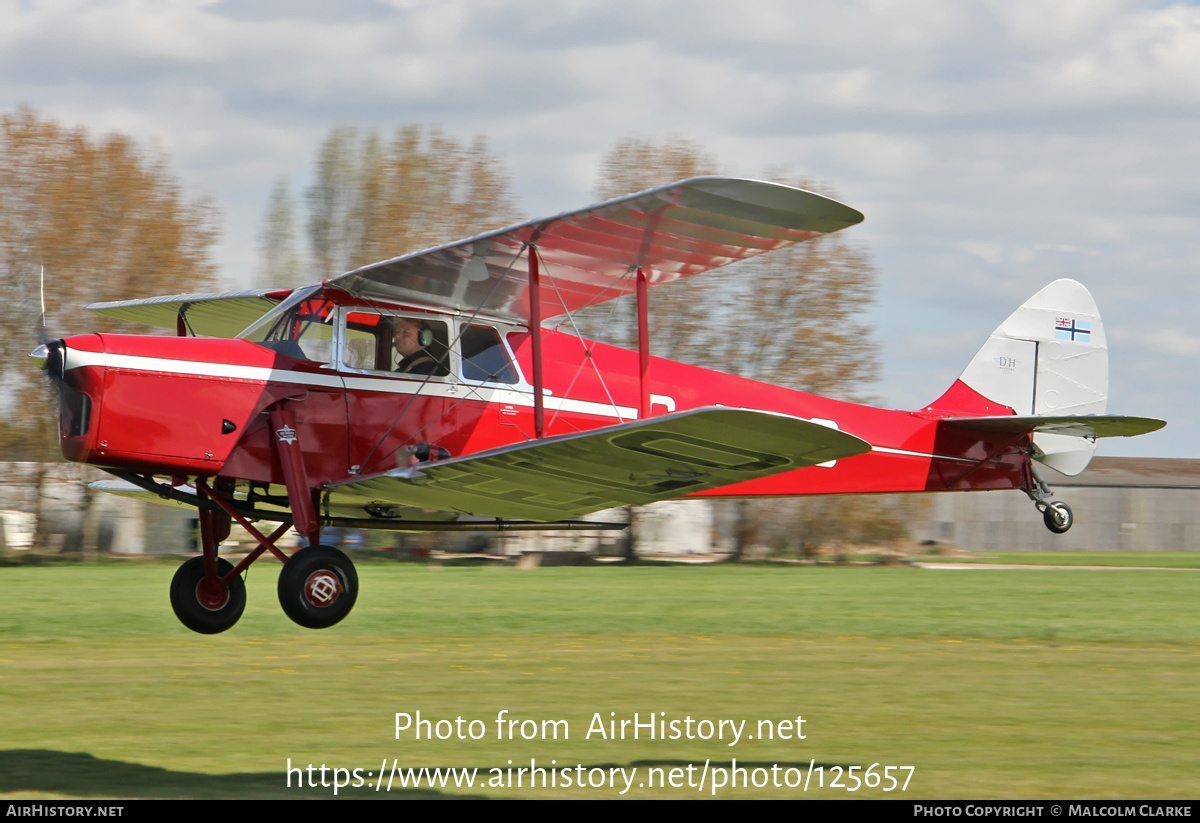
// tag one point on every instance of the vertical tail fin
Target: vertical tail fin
(1049, 357)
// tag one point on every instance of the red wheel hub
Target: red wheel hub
(212, 598)
(322, 588)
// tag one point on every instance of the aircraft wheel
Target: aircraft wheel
(199, 607)
(318, 587)
(1058, 517)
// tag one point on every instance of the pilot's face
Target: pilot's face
(408, 337)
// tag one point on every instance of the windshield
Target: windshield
(301, 326)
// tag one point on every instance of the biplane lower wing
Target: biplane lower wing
(641, 462)
(1083, 425)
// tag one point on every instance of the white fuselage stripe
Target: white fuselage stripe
(393, 385)
(928, 455)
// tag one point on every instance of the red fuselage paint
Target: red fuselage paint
(159, 405)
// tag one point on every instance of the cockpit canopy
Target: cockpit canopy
(301, 326)
(310, 326)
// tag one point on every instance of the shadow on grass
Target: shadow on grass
(81, 775)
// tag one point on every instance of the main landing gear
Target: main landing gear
(1055, 514)
(317, 585)
(205, 606)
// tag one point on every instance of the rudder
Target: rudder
(1050, 357)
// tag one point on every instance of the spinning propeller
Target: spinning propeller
(48, 356)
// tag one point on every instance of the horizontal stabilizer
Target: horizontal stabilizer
(1086, 425)
(658, 458)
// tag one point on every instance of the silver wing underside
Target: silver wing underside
(567, 476)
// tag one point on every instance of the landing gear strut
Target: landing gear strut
(1056, 515)
(317, 586)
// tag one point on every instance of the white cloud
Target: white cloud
(1174, 341)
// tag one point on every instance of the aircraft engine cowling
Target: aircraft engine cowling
(78, 392)
(148, 403)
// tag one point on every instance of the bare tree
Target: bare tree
(106, 220)
(281, 261)
(372, 200)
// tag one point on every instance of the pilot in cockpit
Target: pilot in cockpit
(411, 339)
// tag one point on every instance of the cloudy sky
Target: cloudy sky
(993, 146)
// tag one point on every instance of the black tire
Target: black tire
(218, 613)
(1058, 517)
(318, 587)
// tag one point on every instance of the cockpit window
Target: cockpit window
(484, 356)
(301, 326)
(408, 346)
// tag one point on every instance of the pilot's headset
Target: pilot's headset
(424, 335)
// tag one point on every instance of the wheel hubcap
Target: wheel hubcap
(322, 588)
(212, 599)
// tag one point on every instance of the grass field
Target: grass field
(1160, 560)
(990, 684)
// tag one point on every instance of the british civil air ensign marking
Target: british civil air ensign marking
(1068, 329)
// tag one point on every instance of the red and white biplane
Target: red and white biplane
(423, 392)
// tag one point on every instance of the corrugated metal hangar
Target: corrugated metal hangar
(1120, 504)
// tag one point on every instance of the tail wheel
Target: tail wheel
(203, 608)
(318, 587)
(1058, 517)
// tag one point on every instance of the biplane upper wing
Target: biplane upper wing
(590, 255)
(631, 463)
(223, 314)
(1080, 425)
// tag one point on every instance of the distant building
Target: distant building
(1120, 504)
(69, 510)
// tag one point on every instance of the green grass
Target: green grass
(1001, 684)
(1159, 560)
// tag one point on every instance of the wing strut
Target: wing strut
(643, 345)
(535, 336)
